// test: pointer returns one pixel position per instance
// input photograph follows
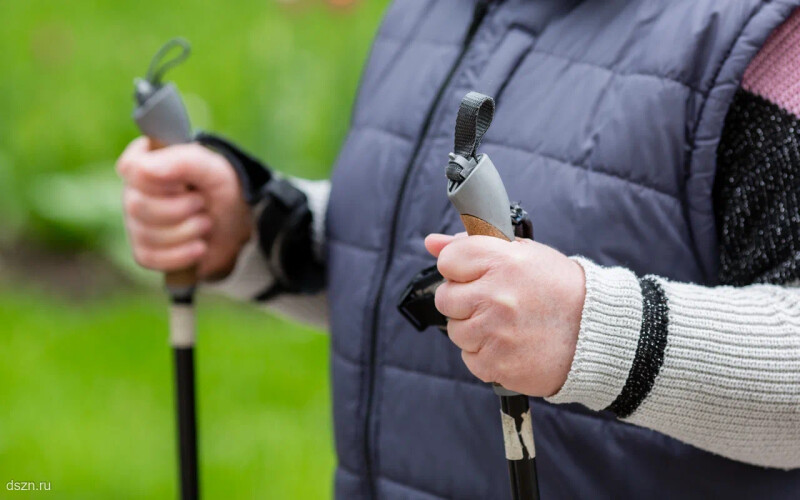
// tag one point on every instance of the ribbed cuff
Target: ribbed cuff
(250, 277)
(610, 324)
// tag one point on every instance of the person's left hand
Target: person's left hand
(514, 309)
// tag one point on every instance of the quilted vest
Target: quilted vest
(608, 118)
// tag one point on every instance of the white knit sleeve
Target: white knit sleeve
(718, 368)
(251, 275)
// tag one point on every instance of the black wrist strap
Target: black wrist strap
(284, 225)
(284, 206)
(253, 175)
(474, 117)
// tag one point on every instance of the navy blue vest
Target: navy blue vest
(608, 117)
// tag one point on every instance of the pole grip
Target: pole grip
(481, 200)
(182, 279)
(479, 227)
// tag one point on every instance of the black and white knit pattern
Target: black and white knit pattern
(757, 193)
(649, 350)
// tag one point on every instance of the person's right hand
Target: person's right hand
(183, 206)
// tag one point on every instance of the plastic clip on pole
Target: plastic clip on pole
(161, 116)
(477, 191)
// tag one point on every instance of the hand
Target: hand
(183, 207)
(514, 308)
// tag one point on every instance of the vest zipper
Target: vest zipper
(479, 13)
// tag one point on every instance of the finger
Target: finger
(161, 210)
(139, 171)
(435, 242)
(457, 300)
(184, 164)
(478, 365)
(160, 237)
(171, 259)
(466, 334)
(467, 259)
(135, 149)
(174, 169)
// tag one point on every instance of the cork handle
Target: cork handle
(476, 226)
(182, 278)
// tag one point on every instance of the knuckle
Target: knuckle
(485, 341)
(135, 233)
(146, 237)
(195, 153)
(505, 302)
(122, 167)
(484, 373)
(500, 370)
(440, 298)
(144, 256)
(442, 265)
(157, 172)
(193, 202)
(518, 258)
(478, 367)
(163, 172)
(193, 227)
(133, 204)
(480, 326)
(174, 211)
(455, 332)
(203, 224)
(445, 262)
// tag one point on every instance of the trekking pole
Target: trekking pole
(161, 116)
(476, 190)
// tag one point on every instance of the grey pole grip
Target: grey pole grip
(482, 201)
(162, 116)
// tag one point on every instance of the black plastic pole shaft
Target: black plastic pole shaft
(524, 481)
(187, 425)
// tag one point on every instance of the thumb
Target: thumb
(185, 165)
(435, 243)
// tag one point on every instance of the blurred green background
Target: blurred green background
(85, 370)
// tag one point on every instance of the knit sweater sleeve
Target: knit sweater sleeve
(716, 367)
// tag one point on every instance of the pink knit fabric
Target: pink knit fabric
(774, 73)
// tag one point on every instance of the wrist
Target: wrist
(607, 338)
(572, 323)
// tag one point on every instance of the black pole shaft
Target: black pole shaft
(187, 426)
(524, 481)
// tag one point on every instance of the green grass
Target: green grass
(86, 399)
